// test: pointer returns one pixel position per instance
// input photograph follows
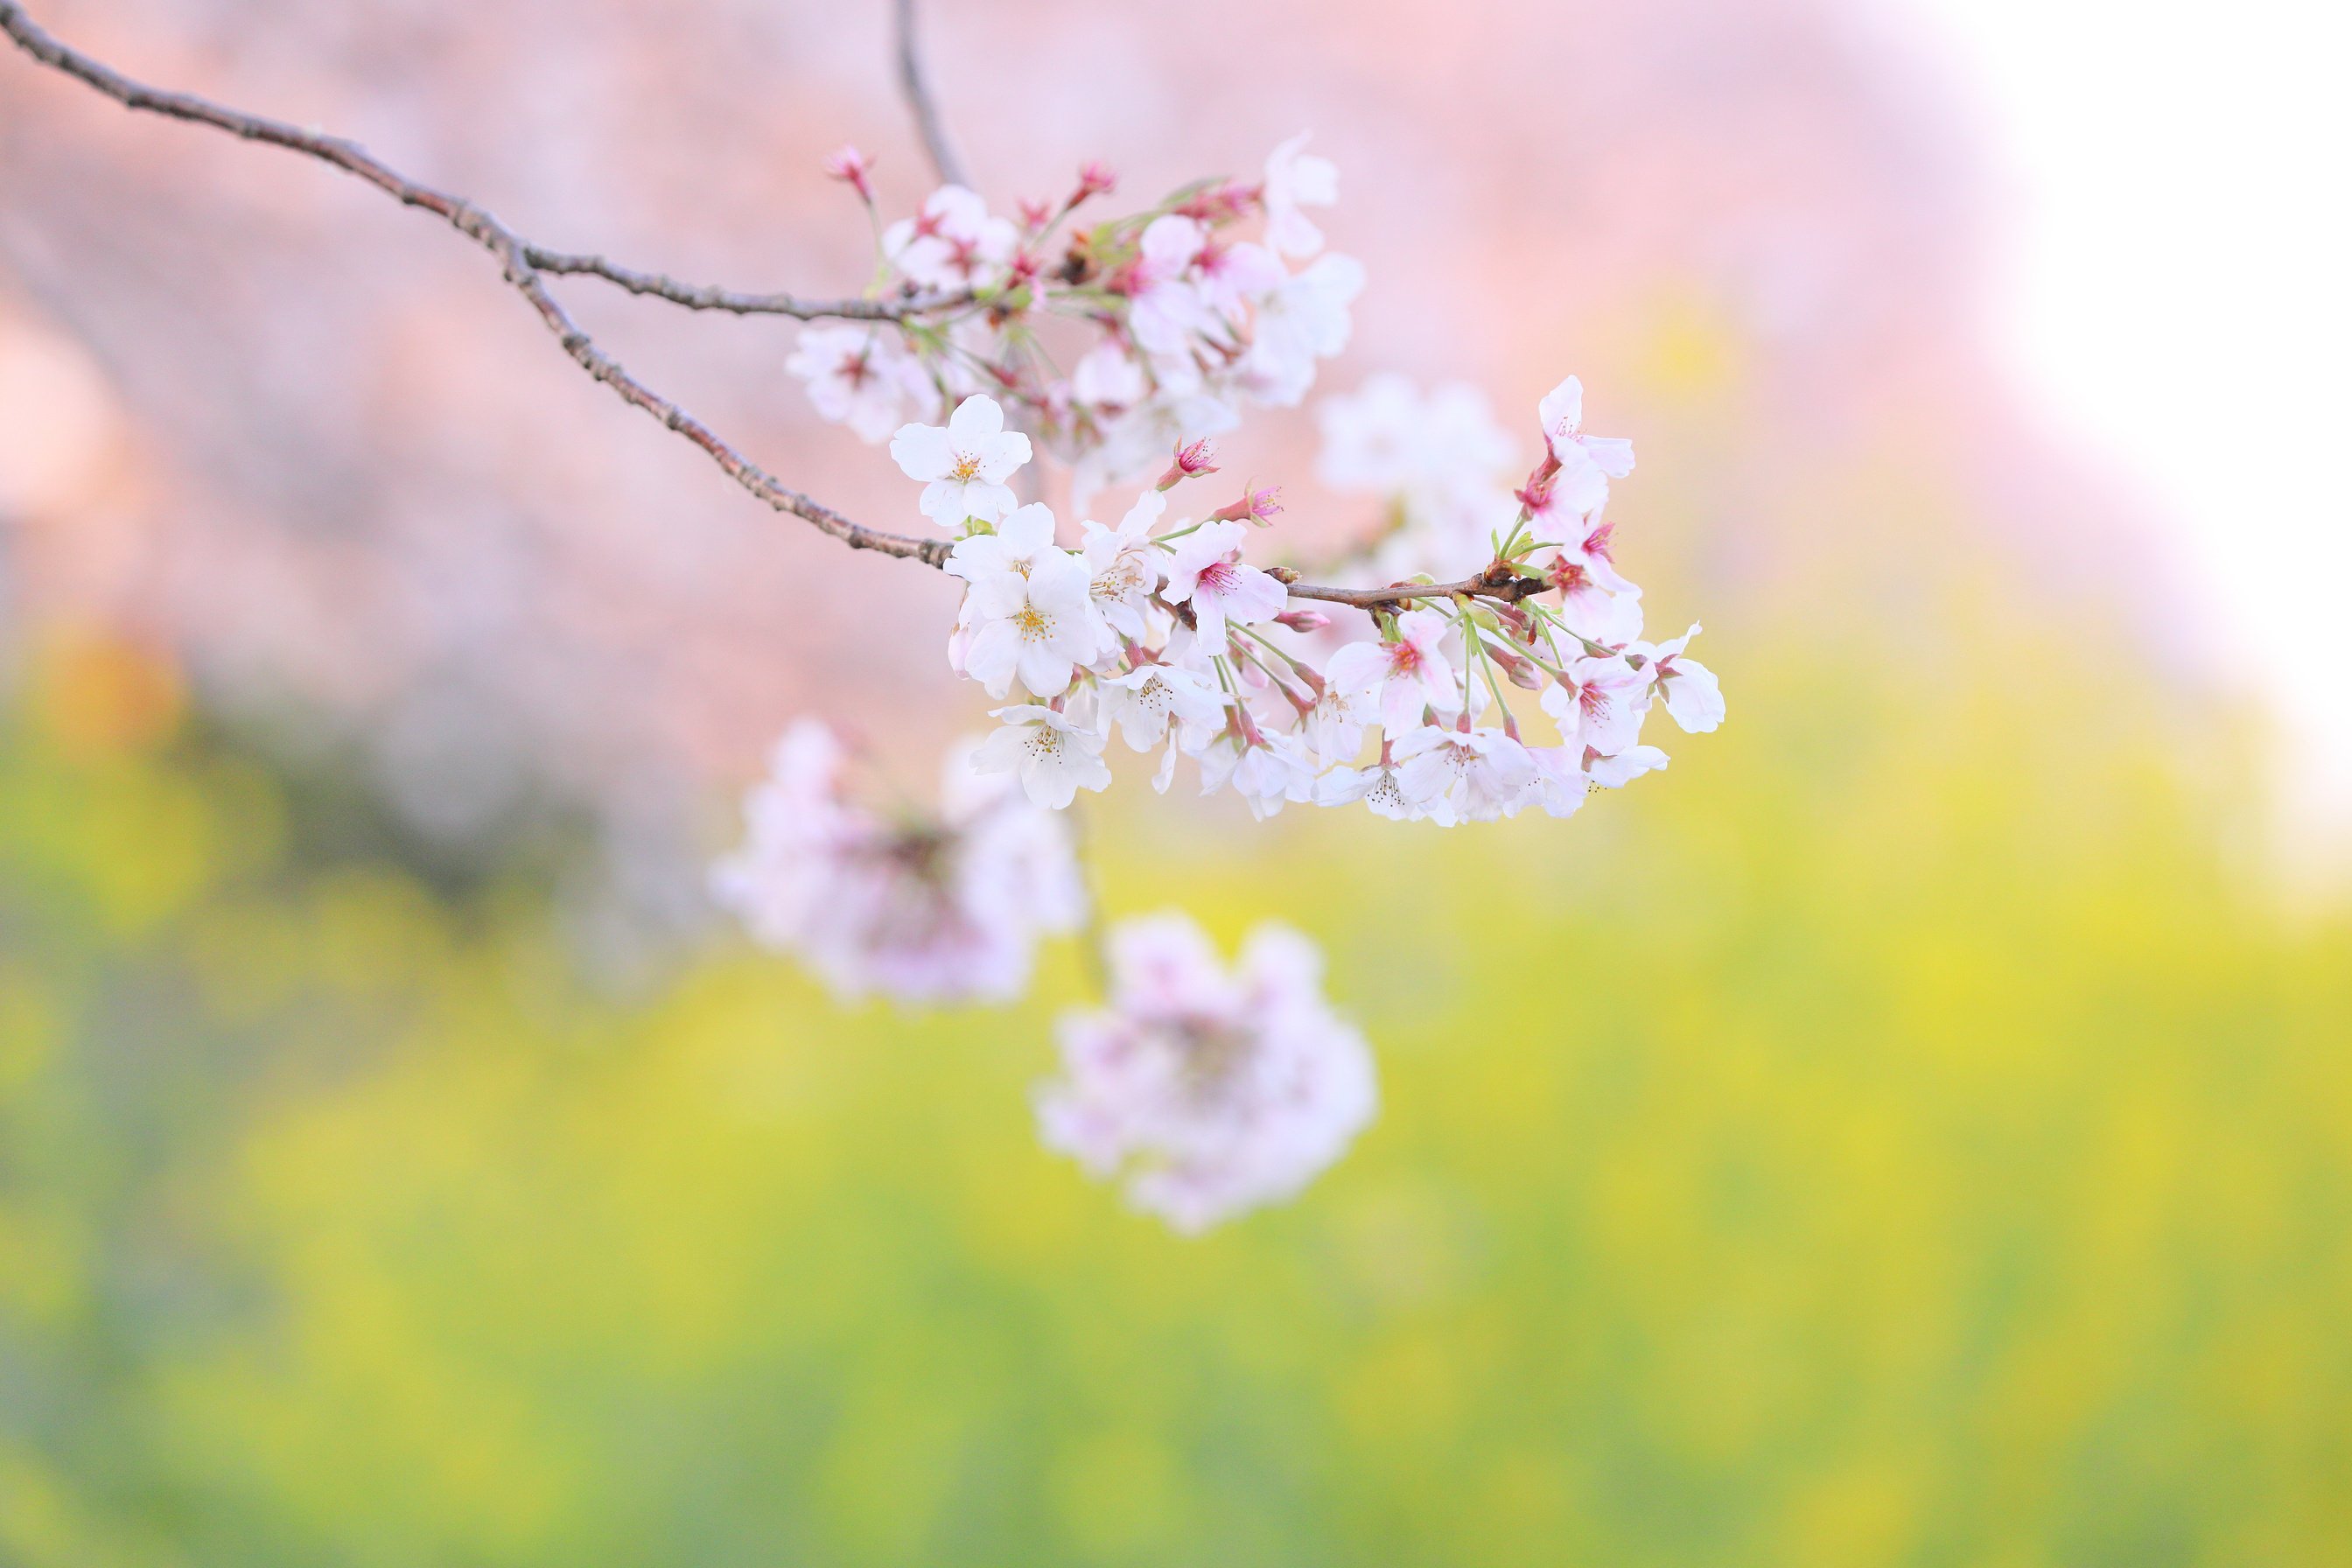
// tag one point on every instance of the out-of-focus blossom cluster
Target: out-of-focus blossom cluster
(1158, 630)
(1110, 342)
(1208, 1091)
(1439, 463)
(943, 908)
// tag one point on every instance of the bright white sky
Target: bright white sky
(2178, 291)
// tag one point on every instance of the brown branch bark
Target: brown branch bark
(1497, 583)
(526, 264)
(707, 297)
(514, 254)
(915, 85)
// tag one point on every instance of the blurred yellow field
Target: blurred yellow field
(448, 811)
(1942, 1156)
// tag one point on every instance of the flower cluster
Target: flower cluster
(947, 909)
(1208, 1093)
(1170, 320)
(1157, 629)
(1204, 1091)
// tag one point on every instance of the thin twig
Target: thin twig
(525, 263)
(916, 87)
(478, 225)
(708, 297)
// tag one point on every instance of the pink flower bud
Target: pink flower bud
(1520, 671)
(1096, 178)
(1255, 506)
(1192, 460)
(1303, 620)
(1221, 205)
(850, 166)
(1035, 215)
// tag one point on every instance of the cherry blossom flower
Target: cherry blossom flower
(796, 828)
(1480, 773)
(1265, 769)
(1228, 278)
(1301, 319)
(1688, 688)
(1293, 179)
(1439, 460)
(1055, 756)
(1560, 785)
(852, 168)
(947, 908)
(1145, 702)
(1590, 546)
(1335, 722)
(1597, 614)
(1617, 772)
(965, 466)
(1206, 572)
(1107, 377)
(1164, 308)
(953, 244)
(1598, 707)
(1123, 567)
(1379, 786)
(1130, 445)
(1403, 674)
(1024, 538)
(1371, 437)
(1037, 624)
(861, 376)
(1208, 1093)
(1587, 463)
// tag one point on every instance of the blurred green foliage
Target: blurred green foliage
(1896, 1135)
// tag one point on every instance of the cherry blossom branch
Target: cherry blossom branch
(1498, 581)
(526, 265)
(709, 297)
(519, 258)
(915, 85)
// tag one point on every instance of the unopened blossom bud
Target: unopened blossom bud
(1303, 620)
(850, 166)
(1521, 672)
(1192, 460)
(1096, 178)
(1255, 506)
(1220, 204)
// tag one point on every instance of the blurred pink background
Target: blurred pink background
(308, 441)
